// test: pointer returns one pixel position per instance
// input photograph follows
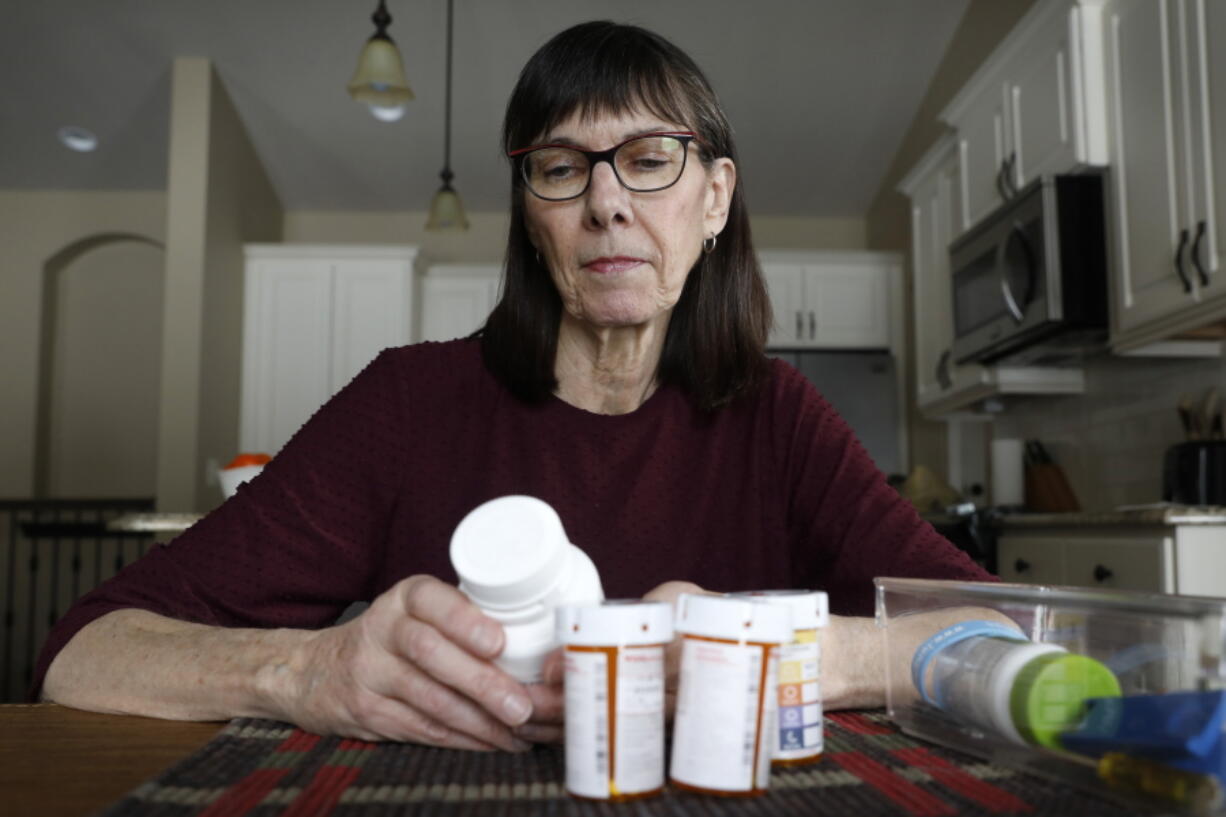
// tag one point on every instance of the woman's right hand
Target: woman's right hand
(416, 666)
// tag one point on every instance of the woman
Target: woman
(621, 378)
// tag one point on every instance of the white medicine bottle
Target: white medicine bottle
(516, 563)
(725, 726)
(614, 668)
(993, 677)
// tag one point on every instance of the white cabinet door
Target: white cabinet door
(1207, 65)
(371, 299)
(935, 208)
(1041, 95)
(785, 284)
(1146, 152)
(287, 349)
(847, 306)
(455, 306)
(1120, 562)
(1030, 559)
(983, 149)
(314, 317)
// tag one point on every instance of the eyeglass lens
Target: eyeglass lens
(642, 165)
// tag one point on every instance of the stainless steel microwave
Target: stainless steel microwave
(1029, 281)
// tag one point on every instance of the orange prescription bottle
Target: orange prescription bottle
(614, 671)
(800, 699)
(725, 724)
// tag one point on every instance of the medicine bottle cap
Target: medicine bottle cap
(737, 619)
(615, 623)
(810, 608)
(509, 552)
(1050, 691)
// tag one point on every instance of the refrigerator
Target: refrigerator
(862, 386)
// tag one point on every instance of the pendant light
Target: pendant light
(446, 211)
(379, 79)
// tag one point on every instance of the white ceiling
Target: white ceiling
(819, 92)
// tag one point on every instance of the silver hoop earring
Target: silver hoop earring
(708, 244)
(539, 262)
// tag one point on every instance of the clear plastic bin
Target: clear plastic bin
(1156, 646)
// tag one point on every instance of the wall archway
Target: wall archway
(99, 366)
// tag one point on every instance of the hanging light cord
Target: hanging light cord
(446, 174)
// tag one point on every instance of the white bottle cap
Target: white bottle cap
(615, 623)
(736, 619)
(509, 552)
(810, 608)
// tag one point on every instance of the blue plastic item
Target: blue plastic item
(1180, 729)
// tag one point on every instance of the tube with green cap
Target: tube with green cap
(1027, 691)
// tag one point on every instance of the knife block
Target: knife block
(1048, 489)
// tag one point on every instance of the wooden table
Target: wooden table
(59, 761)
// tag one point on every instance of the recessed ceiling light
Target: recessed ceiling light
(77, 138)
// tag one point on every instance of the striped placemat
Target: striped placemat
(264, 768)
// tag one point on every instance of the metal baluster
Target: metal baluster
(30, 611)
(54, 584)
(10, 615)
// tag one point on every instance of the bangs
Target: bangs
(597, 70)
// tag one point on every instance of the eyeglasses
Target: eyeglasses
(643, 164)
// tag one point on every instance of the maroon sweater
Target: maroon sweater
(771, 491)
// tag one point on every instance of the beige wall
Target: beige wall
(218, 198)
(99, 407)
(486, 238)
(984, 25)
(36, 226)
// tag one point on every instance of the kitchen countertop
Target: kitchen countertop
(1156, 514)
(154, 522)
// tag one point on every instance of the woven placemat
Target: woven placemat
(265, 768)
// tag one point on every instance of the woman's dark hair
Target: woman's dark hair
(717, 333)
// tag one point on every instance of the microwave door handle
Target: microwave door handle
(1011, 303)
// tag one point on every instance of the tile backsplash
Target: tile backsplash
(1111, 439)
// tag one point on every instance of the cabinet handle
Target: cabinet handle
(1195, 254)
(800, 325)
(1021, 565)
(1183, 242)
(943, 378)
(1101, 573)
(812, 325)
(1004, 177)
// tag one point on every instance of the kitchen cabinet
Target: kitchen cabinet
(1166, 83)
(942, 386)
(831, 300)
(314, 316)
(1036, 106)
(1189, 559)
(457, 298)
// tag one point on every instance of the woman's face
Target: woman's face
(620, 258)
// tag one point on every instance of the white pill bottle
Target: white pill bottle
(800, 738)
(516, 563)
(615, 697)
(725, 726)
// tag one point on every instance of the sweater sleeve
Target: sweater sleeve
(294, 546)
(848, 525)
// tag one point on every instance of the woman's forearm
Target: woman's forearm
(140, 663)
(857, 669)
